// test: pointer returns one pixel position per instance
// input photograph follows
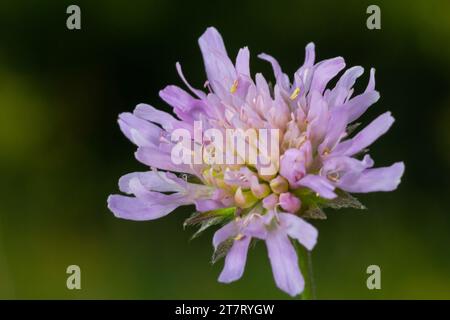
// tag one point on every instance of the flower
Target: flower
(316, 163)
(274, 228)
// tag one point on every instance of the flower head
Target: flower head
(316, 162)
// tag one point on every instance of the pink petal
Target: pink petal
(136, 209)
(367, 136)
(242, 62)
(153, 180)
(156, 158)
(320, 185)
(299, 229)
(229, 230)
(139, 131)
(219, 68)
(235, 261)
(324, 71)
(356, 106)
(284, 261)
(378, 179)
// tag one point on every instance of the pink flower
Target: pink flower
(275, 229)
(318, 157)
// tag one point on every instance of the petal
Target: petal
(157, 198)
(366, 137)
(344, 85)
(349, 77)
(335, 132)
(320, 185)
(256, 228)
(239, 178)
(147, 112)
(303, 76)
(324, 71)
(262, 86)
(154, 181)
(136, 209)
(242, 62)
(235, 261)
(284, 261)
(310, 55)
(270, 201)
(371, 84)
(281, 78)
(344, 166)
(292, 166)
(289, 202)
(293, 163)
(219, 68)
(356, 106)
(229, 230)
(207, 205)
(177, 97)
(144, 185)
(185, 106)
(139, 131)
(318, 117)
(299, 229)
(156, 158)
(378, 179)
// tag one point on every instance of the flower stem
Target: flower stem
(305, 262)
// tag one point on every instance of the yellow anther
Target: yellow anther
(239, 237)
(333, 176)
(326, 152)
(279, 185)
(295, 94)
(244, 199)
(234, 86)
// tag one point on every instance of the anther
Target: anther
(295, 94)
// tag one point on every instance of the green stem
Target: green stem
(305, 262)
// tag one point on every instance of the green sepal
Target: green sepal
(222, 250)
(209, 218)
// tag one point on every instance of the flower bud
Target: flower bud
(244, 199)
(260, 190)
(279, 185)
(289, 202)
(270, 201)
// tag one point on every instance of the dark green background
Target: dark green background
(61, 151)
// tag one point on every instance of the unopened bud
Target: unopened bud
(244, 199)
(270, 201)
(289, 202)
(260, 190)
(279, 185)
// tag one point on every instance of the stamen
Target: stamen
(295, 94)
(326, 152)
(333, 176)
(234, 86)
(238, 237)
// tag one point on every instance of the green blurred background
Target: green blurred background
(61, 151)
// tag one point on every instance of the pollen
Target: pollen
(239, 237)
(334, 176)
(234, 86)
(326, 152)
(295, 94)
